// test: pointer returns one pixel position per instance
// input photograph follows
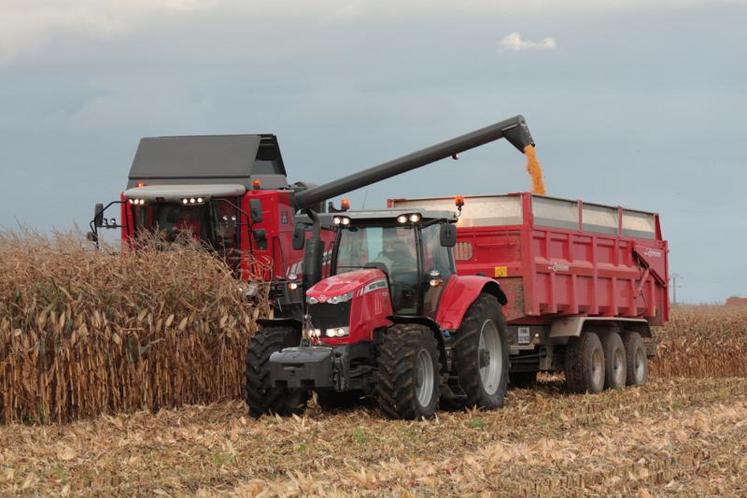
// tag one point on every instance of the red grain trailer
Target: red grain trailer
(585, 282)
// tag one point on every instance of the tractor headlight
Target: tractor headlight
(311, 300)
(341, 299)
(338, 332)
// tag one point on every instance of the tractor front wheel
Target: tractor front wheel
(261, 396)
(407, 378)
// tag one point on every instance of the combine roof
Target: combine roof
(208, 159)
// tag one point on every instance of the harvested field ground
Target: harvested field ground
(675, 436)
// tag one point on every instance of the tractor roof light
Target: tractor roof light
(402, 218)
(341, 220)
(414, 218)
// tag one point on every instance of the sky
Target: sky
(634, 103)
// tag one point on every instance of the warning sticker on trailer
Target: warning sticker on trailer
(501, 271)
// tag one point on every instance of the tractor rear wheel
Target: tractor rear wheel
(584, 364)
(481, 355)
(637, 361)
(261, 396)
(615, 371)
(407, 378)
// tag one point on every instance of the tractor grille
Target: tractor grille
(327, 316)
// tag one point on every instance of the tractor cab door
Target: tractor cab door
(437, 267)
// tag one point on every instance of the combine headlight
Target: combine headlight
(185, 201)
(200, 200)
(338, 332)
(136, 202)
(344, 298)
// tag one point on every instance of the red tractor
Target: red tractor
(393, 321)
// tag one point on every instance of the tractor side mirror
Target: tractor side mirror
(448, 235)
(98, 215)
(255, 210)
(299, 236)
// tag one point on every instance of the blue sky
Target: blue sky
(638, 103)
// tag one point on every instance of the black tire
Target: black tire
(333, 400)
(468, 358)
(522, 380)
(261, 396)
(636, 359)
(397, 381)
(615, 365)
(584, 364)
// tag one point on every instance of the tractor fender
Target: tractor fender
(437, 333)
(459, 294)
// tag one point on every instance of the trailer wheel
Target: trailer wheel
(615, 365)
(637, 361)
(261, 397)
(584, 364)
(521, 380)
(407, 377)
(481, 355)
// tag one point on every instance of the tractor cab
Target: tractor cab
(395, 262)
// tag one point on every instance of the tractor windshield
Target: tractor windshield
(393, 250)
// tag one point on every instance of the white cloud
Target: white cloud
(514, 43)
(29, 25)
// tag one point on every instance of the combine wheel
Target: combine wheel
(615, 371)
(407, 379)
(584, 364)
(481, 354)
(637, 362)
(261, 396)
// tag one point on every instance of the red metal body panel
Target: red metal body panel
(549, 272)
(370, 307)
(458, 295)
(277, 259)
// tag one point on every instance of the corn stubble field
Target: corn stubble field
(123, 375)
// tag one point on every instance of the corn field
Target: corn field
(86, 332)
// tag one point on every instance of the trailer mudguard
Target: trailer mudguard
(459, 294)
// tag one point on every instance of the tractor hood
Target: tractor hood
(344, 283)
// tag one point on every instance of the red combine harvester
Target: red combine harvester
(231, 193)
(539, 283)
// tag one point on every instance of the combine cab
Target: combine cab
(394, 320)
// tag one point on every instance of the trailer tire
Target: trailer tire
(484, 319)
(615, 365)
(261, 396)
(407, 376)
(636, 359)
(522, 380)
(584, 364)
